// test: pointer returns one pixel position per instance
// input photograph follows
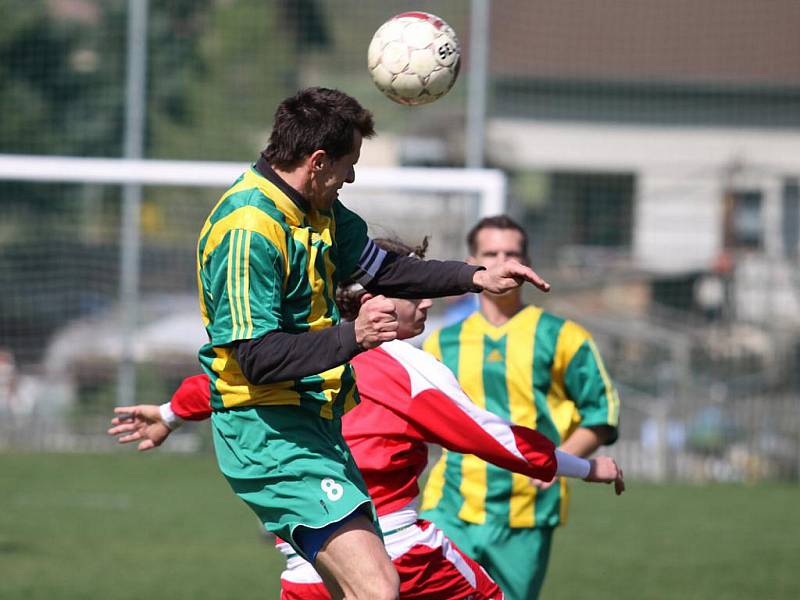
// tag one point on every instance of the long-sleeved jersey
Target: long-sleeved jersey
(408, 398)
(268, 264)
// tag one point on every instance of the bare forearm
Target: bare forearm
(585, 440)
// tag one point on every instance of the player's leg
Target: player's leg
(431, 567)
(299, 580)
(517, 559)
(354, 564)
(296, 472)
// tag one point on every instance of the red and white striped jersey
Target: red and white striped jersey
(408, 399)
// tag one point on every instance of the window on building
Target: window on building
(791, 218)
(577, 216)
(744, 228)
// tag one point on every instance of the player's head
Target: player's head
(494, 240)
(319, 130)
(411, 314)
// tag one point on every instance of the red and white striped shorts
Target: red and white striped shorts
(430, 566)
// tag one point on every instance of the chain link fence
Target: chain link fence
(652, 151)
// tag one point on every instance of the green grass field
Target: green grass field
(155, 525)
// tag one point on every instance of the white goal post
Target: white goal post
(488, 184)
(396, 202)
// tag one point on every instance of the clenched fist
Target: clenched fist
(604, 469)
(376, 321)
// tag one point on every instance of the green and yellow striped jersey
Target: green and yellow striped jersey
(265, 264)
(536, 370)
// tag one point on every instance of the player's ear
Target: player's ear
(318, 160)
(471, 260)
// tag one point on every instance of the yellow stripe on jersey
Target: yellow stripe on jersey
(318, 309)
(328, 235)
(431, 345)
(330, 390)
(434, 488)
(566, 495)
(229, 285)
(235, 390)
(238, 267)
(470, 375)
(520, 343)
(248, 318)
(328, 228)
(564, 412)
(249, 218)
(202, 301)
(350, 400)
(611, 391)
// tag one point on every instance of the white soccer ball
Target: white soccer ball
(414, 58)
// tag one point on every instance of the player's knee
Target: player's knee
(387, 587)
(383, 585)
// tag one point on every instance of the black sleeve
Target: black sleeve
(280, 356)
(409, 277)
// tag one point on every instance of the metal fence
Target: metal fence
(651, 150)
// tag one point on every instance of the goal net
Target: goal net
(66, 326)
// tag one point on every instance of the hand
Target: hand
(376, 321)
(141, 422)
(604, 469)
(508, 276)
(543, 485)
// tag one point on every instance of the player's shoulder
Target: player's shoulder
(564, 327)
(247, 205)
(346, 218)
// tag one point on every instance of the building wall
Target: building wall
(682, 175)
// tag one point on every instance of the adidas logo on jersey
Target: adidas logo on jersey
(494, 356)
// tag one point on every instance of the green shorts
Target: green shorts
(290, 466)
(516, 558)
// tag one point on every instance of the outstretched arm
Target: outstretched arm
(439, 410)
(150, 424)
(408, 277)
(583, 442)
(141, 423)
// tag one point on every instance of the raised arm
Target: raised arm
(437, 407)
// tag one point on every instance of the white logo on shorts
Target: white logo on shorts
(333, 490)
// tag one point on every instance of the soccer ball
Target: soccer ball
(414, 58)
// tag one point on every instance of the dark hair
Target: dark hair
(348, 295)
(316, 119)
(496, 222)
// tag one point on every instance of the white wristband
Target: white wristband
(170, 419)
(570, 465)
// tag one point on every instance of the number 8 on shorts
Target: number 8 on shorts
(332, 489)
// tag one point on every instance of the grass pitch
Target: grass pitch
(157, 525)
